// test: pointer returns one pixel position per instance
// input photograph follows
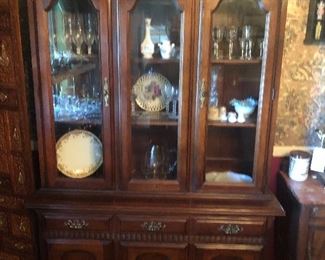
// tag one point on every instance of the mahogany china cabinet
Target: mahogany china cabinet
(16, 175)
(154, 122)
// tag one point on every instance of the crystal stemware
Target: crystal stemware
(68, 32)
(169, 93)
(155, 162)
(218, 34)
(232, 37)
(90, 33)
(78, 36)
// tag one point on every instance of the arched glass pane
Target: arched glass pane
(155, 87)
(237, 42)
(76, 87)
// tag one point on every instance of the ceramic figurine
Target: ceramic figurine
(166, 48)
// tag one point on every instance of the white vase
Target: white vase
(147, 46)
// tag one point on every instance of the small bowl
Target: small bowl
(244, 107)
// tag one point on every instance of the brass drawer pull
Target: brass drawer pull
(153, 226)
(76, 224)
(3, 97)
(230, 229)
(203, 93)
(19, 246)
(106, 94)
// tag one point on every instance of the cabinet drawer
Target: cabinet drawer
(16, 245)
(77, 222)
(8, 98)
(10, 202)
(152, 224)
(20, 226)
(230, 226)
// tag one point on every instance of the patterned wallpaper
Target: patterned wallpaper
(301, 107)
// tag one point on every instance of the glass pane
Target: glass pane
(237, 40)
(75, 70)
(155, 88)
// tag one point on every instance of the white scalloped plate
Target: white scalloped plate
(79, 154)
(149, 90)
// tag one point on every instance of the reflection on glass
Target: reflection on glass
(155, 90)
(231, 132)
(76, 84)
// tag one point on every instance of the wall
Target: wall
(301, 107)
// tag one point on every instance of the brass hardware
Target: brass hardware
(76, 224)
(3, 97)
(19, 246)
(153, 226)
(22, 226)
(230, 229)
(106, 94)
(4, 58)
(16, 134)
(203, 93)
(21, 179)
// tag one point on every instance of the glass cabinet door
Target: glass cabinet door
(154, 81)
(236, 42)
(74, 58)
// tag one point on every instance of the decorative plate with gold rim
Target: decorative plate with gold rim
(150, 91)
(79, 154)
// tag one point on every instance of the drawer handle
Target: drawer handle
(3, 97)
(203, 93)
(76, 224)
(19, 246)
(106, 94)
(2, 200)
(230, 229)
(153, 226)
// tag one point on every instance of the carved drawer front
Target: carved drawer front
(152, 224)
(7, 256)
(8, 98)
(230, 226)
(16, 245)
(3, 222)
(9, 202)
(5, 184)
(18, 176)
(77, 222)
(20, 226)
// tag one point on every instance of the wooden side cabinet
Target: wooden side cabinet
(16, 176)
(301, 234)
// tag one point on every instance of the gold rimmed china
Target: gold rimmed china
(79, 154)
(149, 90)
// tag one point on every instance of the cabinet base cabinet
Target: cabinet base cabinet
(80, 235)
(63, 249)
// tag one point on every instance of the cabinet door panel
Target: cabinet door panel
(316, 243)
(228, 252)
(148, 251)
(75, 106)
(233, 93)
(79, 249)
(155, 39)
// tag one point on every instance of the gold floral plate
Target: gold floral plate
(150, 91)
(79, 154)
